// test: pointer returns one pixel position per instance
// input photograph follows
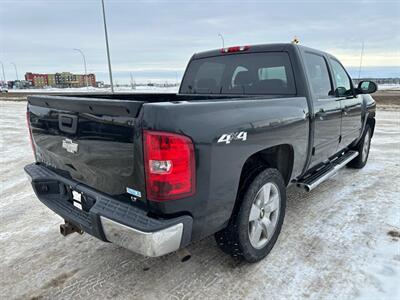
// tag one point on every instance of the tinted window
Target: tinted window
(236, 72)
(342, 80)
(317, 71)
(250, 74)
(209, 77)
(272, 73)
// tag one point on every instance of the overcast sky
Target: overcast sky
(154, 39)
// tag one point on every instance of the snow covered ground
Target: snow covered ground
(341, 241)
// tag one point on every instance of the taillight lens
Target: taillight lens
(169, 166)
(30, 132)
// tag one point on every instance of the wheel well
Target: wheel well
(279, 157)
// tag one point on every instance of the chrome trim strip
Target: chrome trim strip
(151, 244)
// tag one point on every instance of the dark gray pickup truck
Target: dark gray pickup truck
(155, 172)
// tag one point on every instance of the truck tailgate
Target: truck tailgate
(95, 141)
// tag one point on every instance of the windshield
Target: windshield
(268, 73)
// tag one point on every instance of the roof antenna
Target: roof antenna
(295, 40)
(361, 57)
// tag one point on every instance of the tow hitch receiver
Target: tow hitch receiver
(68, 228)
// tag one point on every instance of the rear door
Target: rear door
(350, 104)
(326, 107)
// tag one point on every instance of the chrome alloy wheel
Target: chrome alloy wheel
(264, 214)
(365, 148)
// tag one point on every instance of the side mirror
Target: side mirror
(340, 91)
(366, 87)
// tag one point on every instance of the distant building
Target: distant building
(100, 84)
(61, 80)
(90, 78)
(67, 79)
(38, 80)
(51, 79)
(17, 84)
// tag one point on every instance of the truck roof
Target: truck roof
(254, 48)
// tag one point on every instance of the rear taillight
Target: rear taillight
(169, 166)
(234, 49)
(30, 132)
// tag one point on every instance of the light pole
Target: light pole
(4, 74)
(16, 71)
(223, 41)
(361, 58)
(84, 64)
(107, 46)
(132, 84)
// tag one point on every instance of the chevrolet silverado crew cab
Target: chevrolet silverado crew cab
(155, 172)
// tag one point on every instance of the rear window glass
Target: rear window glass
(267, 73)
(317, 70)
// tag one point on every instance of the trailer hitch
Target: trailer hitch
(68, 228)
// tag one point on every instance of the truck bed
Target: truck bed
(120, 103)
(95, 138)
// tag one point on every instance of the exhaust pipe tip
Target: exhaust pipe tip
(184, 255)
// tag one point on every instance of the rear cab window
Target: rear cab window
(318, 74)
(267, 73)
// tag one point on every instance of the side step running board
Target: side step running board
(314, 179)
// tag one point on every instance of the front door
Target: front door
(351, 105)
(327, 108)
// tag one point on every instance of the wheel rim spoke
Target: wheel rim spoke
(268, 227)
(266, 192)
(365, 146)
(254, 212)
(273, 204)
(255, 234)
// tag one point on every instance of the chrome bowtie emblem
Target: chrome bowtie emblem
(70, 146)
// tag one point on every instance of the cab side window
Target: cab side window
(343, 84)
(317, 71)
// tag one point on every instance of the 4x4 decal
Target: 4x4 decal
(228, 137)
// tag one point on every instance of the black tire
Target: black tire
(235, 239)
(362, 147)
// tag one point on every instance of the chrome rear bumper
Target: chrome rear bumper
(146, 243)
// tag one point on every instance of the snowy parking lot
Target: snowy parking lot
(341, 241)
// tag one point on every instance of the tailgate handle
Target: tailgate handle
(67, 123)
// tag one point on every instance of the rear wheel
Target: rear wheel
(362, 147)
(255, 227)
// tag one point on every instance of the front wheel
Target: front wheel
(362, 147)
(255, 227)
